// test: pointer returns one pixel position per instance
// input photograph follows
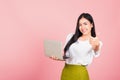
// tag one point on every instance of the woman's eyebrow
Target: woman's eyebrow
(85, 22)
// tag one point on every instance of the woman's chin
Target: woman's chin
(85, 34)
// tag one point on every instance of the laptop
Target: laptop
(53, 48)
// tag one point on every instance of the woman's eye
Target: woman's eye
(85, 23)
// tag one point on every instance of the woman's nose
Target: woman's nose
(82, 26)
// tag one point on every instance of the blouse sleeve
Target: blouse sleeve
(97, 53)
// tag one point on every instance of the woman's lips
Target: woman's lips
(84, 30)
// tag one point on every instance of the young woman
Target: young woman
(80, 49)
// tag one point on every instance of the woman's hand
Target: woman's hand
(55, 58)
(95, 43)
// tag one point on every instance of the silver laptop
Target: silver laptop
(53, 48)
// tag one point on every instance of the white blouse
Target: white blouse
(81, 52)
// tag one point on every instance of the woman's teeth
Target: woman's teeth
(84, 30)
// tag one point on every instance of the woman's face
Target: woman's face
(85, 26)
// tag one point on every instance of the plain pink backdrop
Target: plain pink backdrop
(24, 24)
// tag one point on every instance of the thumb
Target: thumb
(98, 34)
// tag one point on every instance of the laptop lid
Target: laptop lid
(53, 48)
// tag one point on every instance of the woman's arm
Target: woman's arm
(96, 46)
(95, 43)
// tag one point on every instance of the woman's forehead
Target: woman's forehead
(82, 20)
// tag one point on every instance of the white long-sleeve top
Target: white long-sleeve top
(81, 52)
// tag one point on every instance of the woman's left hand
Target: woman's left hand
(95, 43)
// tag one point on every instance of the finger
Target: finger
(56, 58)
(53, 57)
(96, 38)
(98, 34)
(92, 38)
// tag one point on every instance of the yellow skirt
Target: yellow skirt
(74, 72)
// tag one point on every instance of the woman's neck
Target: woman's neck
(85, 37)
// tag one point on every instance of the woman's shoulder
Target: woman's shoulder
(69, 36)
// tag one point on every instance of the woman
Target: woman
(80, 49)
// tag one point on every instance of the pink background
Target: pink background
(24, 24)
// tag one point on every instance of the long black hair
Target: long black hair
(77, 33)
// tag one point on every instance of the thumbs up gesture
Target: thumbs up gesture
(94, 41)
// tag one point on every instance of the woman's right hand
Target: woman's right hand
(54, 58)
